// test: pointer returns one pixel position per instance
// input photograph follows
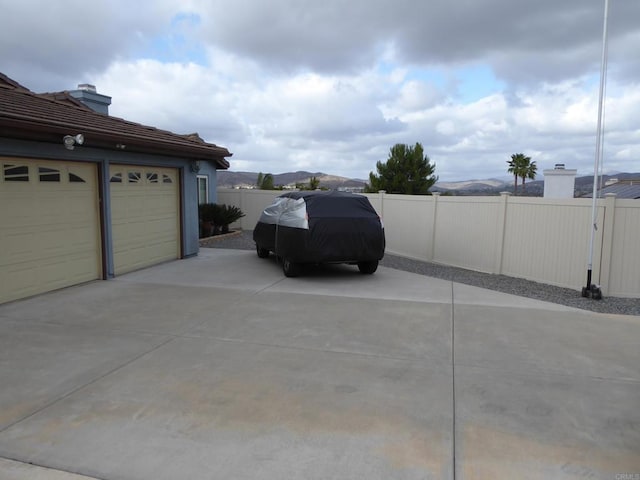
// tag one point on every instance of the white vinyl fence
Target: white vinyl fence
(544, 240)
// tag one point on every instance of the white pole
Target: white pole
(598, 155)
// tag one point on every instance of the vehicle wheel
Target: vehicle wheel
(290, 269)
(262, 252)
(368, 267)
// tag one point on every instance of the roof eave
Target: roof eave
(50, 131)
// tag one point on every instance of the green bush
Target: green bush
(215, 218)
(207, 217)
(230, 214)
(209, 212)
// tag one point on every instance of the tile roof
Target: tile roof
(64, 97)
(45, 117)
(623, 189)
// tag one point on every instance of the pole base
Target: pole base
(593, 291)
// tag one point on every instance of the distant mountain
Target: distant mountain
(475, 185)
(491, 186)
(228, 179)
(534, 188)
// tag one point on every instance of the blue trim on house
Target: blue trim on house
(103, 159)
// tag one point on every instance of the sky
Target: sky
(330, 86)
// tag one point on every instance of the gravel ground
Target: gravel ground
(501, 283)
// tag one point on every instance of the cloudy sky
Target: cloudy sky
(331, 85)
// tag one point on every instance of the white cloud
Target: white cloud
(330, 86)
(183, 98)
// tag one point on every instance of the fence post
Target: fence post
(381, 195)
(607, 241)
(432, 248)
(502, 224)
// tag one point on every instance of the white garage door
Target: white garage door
(145, 216)
(49, 226)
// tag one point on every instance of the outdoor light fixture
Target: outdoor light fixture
(195, 166)
(70, 141)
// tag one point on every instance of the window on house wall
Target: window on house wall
(203, 189)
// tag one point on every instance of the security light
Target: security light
(70, 141)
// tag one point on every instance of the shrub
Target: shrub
(214, 218)
(228, 215)
(208, 212)
(207, 216)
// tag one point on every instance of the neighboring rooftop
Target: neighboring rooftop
(47, 117)
(628, 188)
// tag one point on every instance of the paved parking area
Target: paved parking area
(219, 367)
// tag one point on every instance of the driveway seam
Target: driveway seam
(453, 384)
(81, 476)
(80, 387)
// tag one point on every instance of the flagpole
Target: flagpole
(592, 289)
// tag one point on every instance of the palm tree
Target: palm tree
(529, 171)
(518, 166)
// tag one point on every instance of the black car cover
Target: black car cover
(315, 227)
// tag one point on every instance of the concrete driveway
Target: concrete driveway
(219, 367)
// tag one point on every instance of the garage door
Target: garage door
(49, 226)
(144, 216)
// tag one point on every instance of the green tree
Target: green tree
(407, 170)
(518, 166)
(314, 183)
(265, 182)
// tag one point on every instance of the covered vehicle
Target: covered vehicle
(321, 227)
